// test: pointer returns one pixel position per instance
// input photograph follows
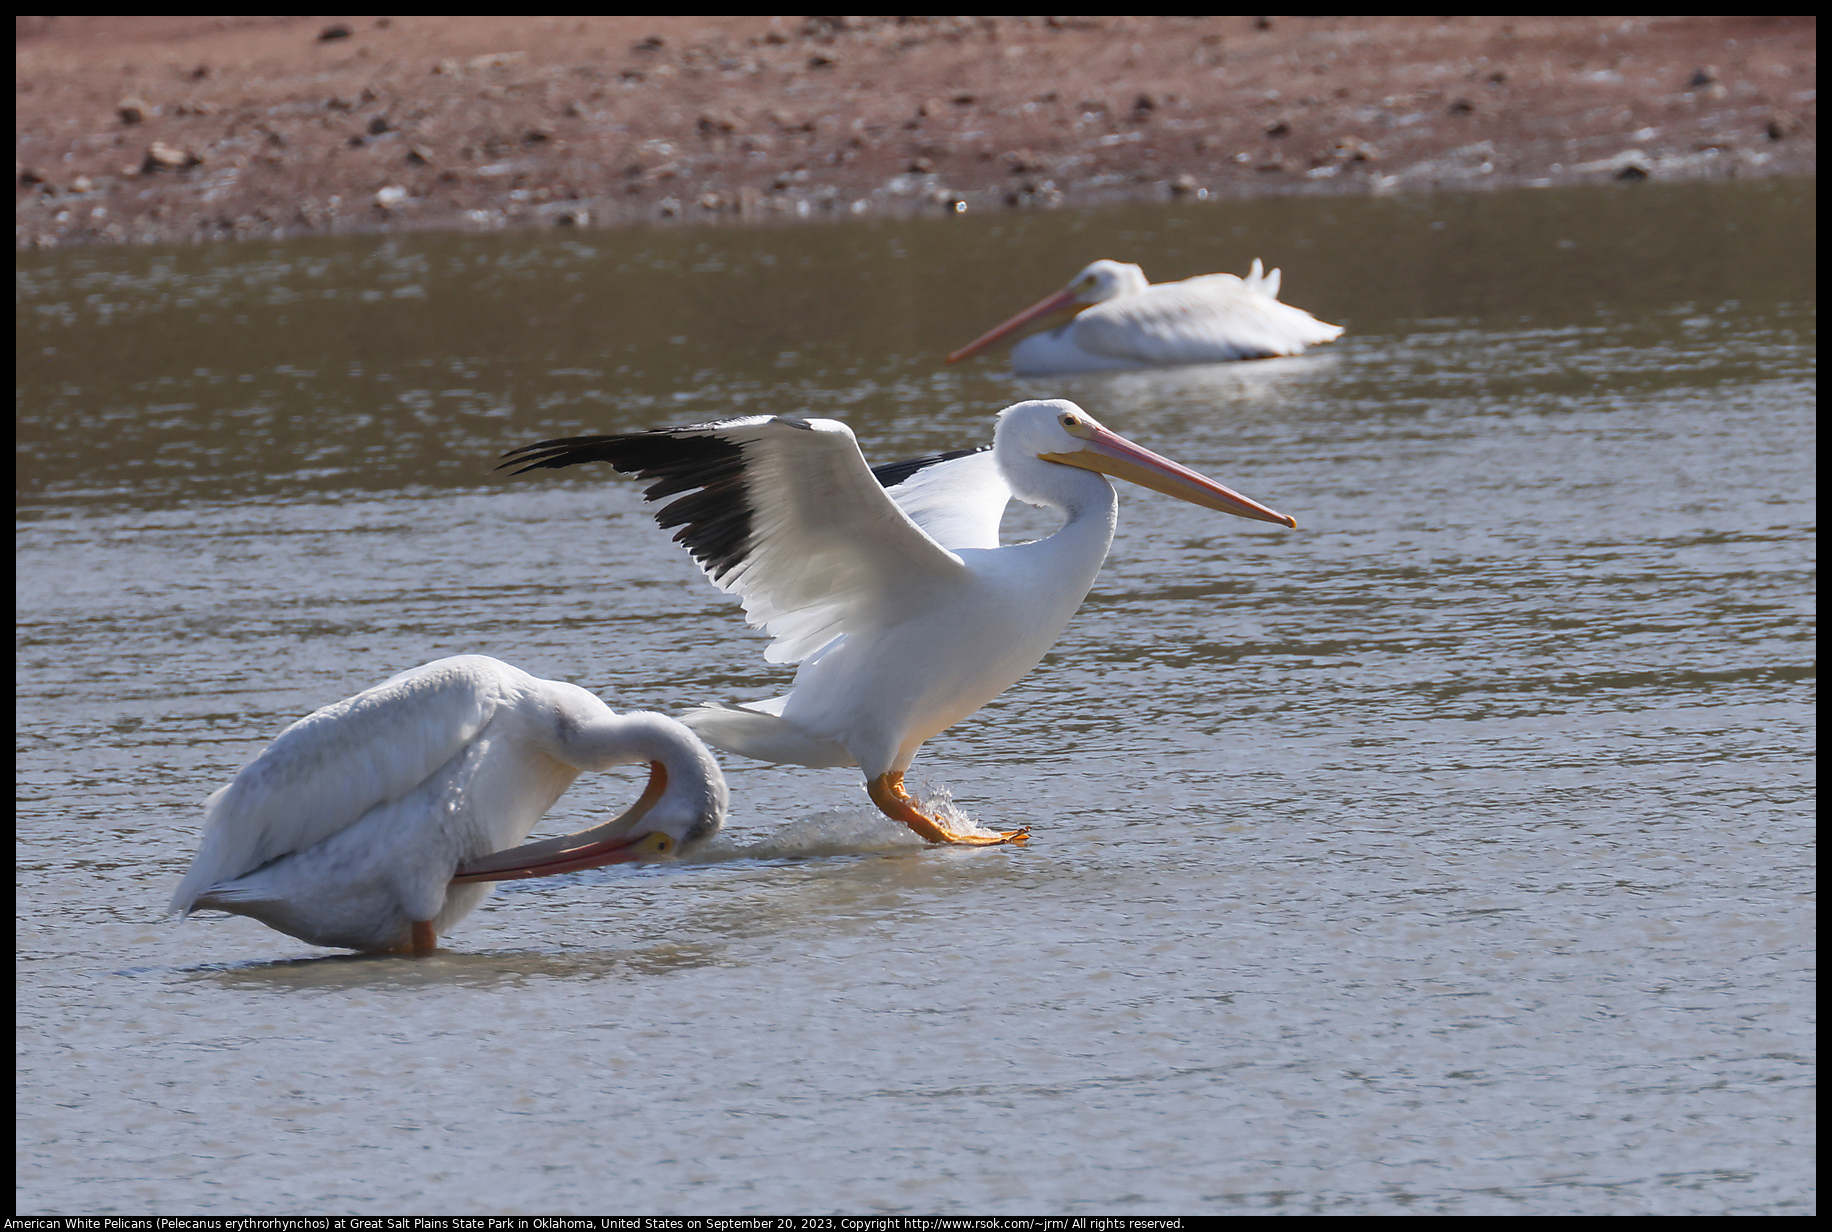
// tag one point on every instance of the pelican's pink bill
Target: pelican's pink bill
(610, 843)
(1044, 307)
(1112, 454)
(519, 862)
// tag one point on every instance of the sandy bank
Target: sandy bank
(158, 129)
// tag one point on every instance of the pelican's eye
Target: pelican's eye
(657, 844)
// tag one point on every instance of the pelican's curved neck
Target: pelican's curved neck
(693, 777)
(1090, 509)
(690, 777)
(1025, 433)
(1080, 494)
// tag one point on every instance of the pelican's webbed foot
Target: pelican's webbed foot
(888, 794)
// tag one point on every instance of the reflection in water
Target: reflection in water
(1452, 852)
(450, 968)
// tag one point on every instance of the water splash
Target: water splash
(846, 831)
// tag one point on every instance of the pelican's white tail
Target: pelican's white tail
(1298, 327)
(757, 729)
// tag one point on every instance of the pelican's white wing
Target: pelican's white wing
(786, 516)
(1258, 279)
(322, 774)
(958, 498)
(1200, 320)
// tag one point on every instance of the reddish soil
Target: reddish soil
(153, 129)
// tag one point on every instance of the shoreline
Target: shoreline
(173, 130)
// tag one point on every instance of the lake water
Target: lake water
(1451, 854)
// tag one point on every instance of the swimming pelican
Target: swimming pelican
(1132, 324)
(370, 824)
(890, 587)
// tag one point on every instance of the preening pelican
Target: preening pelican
(1132, 324)
(379, 821)
(889, 588)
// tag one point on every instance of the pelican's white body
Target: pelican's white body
(888, 586)
(872, 696)
(943, 619)
(1213, 318)
(348, 828)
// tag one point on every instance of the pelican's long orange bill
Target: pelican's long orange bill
(1062, 299)
(609, 843)
(1112, 454)
(555, 855)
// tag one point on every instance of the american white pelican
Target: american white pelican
(890, 589)
(1132, 324)
(379, 821)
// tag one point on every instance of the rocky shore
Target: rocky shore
(171, 129)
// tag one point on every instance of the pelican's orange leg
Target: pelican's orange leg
(425, 944)
(888, 794)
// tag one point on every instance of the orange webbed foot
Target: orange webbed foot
(888, 794)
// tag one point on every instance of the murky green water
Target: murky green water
(1450, 854)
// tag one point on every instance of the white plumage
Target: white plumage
(349, 829)
(1129, 323)
(889, 588)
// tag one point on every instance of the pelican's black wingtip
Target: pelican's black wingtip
(564, 451)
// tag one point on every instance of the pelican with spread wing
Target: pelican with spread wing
(890, 588)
